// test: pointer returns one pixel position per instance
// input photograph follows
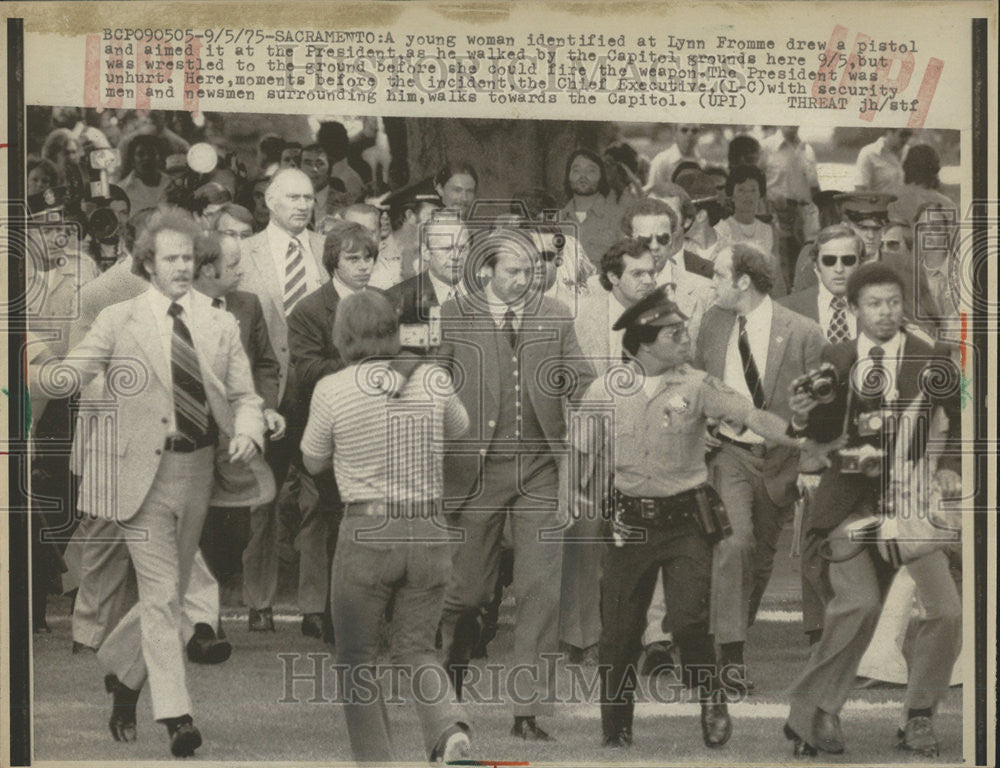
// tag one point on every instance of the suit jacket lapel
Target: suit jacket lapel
(715, 364)
(269, 277)
(780, 329)
(147, 334)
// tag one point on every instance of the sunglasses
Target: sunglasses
(892, 245)
(848, 261)
(689, 130)
(647, 240)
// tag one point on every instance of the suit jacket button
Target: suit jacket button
(159, 451)
(492, 423)
(164, 420)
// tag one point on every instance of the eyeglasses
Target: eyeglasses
(848, 261)
(892, 245)
(689, 130)
(238, 235)
(647, 240)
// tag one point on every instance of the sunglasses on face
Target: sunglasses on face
(689, 130)
(848, 261)
(647, 240)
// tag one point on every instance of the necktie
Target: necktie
(750, 372)
(217, 302)
(877, 376)
(837, 330)
(190, 404)
(295, 274)
(508, 328)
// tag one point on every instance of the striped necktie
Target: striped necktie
(190, 403)
(837, 330)
(750, 372)
(295, 274)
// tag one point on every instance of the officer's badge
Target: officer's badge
(676, 406)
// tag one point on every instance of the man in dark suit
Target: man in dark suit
(217, 272)
(881, 374)
(349, 255)
(504, 346)
(758, 348)
(835, 255)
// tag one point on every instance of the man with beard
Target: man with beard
(597, 217)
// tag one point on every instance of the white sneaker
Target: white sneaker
(458, 747)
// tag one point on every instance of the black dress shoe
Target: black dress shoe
(526, 728)
(716, 727)
(205, 648)
(312, 625)
(184, 737)
(262, 620)
(827, 733)
(622, 739)
(800, 747)
(122, 722)
(81, 647)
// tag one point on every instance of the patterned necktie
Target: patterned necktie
(190, 404)
(750, 372)
(838, 331)
(295, 274)
(508, 328)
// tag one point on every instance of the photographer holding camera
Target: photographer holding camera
(858, 397)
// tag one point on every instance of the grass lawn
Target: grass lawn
(239, 710)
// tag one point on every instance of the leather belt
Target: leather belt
(411, 510)
(184, 444)
(658, 510)
(757, 449)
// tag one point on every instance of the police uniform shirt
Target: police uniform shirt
(659, 447)
(759, 335)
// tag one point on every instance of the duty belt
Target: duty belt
(184, 444)
(658, 511)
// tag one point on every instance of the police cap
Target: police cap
(861, 206)
(656, 309)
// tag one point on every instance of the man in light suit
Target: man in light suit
(499, 344)
(758, 348)
(104, 592)
(626, 275)
(837, 253)
(191, 391)
(281, 265)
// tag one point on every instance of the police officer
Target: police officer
(665, 515)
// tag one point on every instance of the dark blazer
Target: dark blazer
(412, 298)
(794, 350)
(839, 495)
(310, 339)
(256, 343)
(698, 265)
(548, 347)
(804, 302)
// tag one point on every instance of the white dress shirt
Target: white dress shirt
(443, 291)
(759, 335)
(343, 289)
(277, 242)
(498, 308)
(826, 313)
(165, 326)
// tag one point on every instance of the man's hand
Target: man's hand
(800, 401)
(950, 483)
(711, 439)
(241, 448)
(275, 423)
(815, 455)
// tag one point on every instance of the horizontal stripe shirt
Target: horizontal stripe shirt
(384, 447)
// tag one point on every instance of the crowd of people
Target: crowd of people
(402, 363)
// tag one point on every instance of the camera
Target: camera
(864, 460)
(870, 423)
(820, 384)
(87, 200)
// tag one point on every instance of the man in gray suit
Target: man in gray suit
(758, 348)
(281, 265)
(514, 356)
